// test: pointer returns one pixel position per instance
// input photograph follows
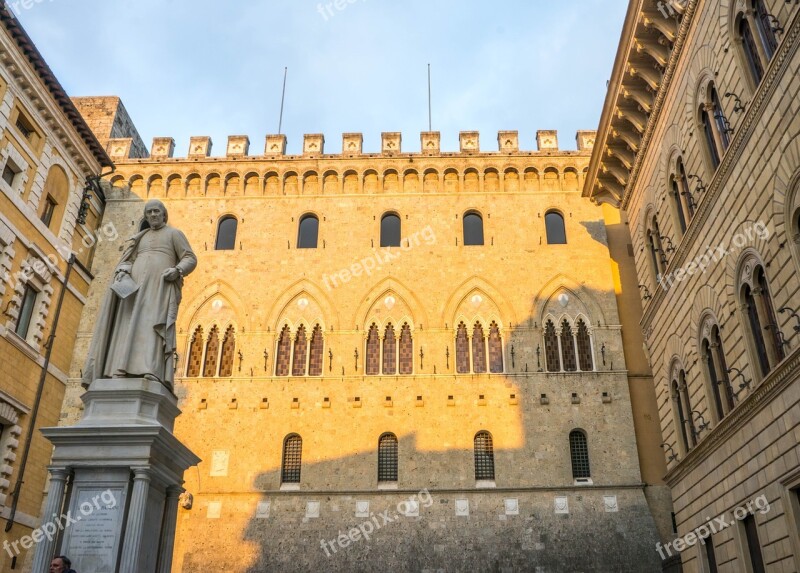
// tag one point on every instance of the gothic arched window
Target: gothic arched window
(495, 350)
(373, 360)
(283, 356)
(406, 351)
(389, 350)
(478, 349)
(228, 349)
(195, 354)
(462, 350)
(316, 356)
(212, 352)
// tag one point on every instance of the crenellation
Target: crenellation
(163, 148)
(313, 144)
(199, 147)
(352, 143)
(508, 141)
(238, 146)
(119, 149)
(547, 140)
(275, 145)
(586, 139)
(469, 141)
(431, 142)
(391, 142)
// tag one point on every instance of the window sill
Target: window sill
(485, 484)
(388, 486)
(19, 342)
(583, 481)
(290, 487)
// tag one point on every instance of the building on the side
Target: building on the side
(699, 146)
(47, 154)
(439, 348)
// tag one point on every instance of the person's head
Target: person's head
(155, 212)
(60, 564)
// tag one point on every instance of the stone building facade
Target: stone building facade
(699, 145)
(423, 348)
(47, 152)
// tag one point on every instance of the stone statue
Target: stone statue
(134, 335)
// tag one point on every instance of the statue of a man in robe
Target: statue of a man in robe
(134, 335)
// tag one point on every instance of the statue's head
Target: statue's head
(155, 212)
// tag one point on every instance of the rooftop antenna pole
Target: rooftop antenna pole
(283, 99)
(430, 120)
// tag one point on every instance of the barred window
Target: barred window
(495, 349)
(292, 459)
(389, 351)
(406, 351)
(195, 354)
(299, 354)
(478, 349)
(551, 348)
(212, 350)
(283, 356)
(569, 362)
(228, 349)
(484, 456)
(462, 350)
(317, 347)
(387, 458)
(373, 351)
(579, 454)
(584, 347)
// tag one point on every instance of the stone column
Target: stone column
(55, 500)
(135, 526)
(170, 523)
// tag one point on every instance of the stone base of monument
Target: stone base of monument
(115, 479)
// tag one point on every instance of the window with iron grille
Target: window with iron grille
(212, 350)
(228, 349)
(195, 354)
(570, 364)
(551, 348)
(317, 348)
(478, 349)
(292, 459)
(579, 454)
(387, 458)
(495, 349)
(299, 355)
(389, 351)
(284, 353)
(484, 456)
(373, 352)
(406, 351)
(584, 347)
(462, 350)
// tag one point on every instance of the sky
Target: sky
(204, 67)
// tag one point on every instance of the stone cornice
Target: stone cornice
(786, 373)
(769, 85)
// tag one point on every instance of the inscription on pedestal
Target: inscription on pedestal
(93, 538)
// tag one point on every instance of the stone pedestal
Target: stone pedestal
(118, 512)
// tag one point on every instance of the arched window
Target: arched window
(495, 350)
(299, 354)
(56, 196)
(387, 458)
(292, 459)
(473, 229)
(212, 352)
(750, 50)
(389, 350)
(462, 349)
(723, 127)
(568, 359)
(658, 259)
(764, 334)
(717, 373)
(683, 409)
(584, 347)
(551, 354)
(228, 349)
(554, 227)
(708, 133)
(716, 128)
(226, 233)
(484, 457)
(373, 360)
(766, 32)
(478, 349)
(195, 354)
(283, 356)
(390, 230)
(678, 205)
(406, 351)
(316, 355)
(308, 232)
(579, 455)
(686, 193)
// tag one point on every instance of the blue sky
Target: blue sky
(203, 67)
